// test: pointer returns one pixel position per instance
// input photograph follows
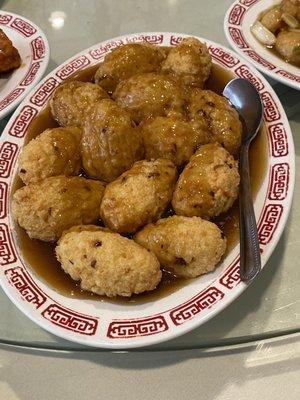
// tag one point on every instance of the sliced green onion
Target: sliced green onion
(262, 34)
(290, 20)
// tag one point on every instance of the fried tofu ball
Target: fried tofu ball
(188, 247)
(172, 138)
(126, 61)
(213, 114)
(189, 61)
(107, 263)
(208, 185)
(288, 46)
(47, 208)
(110, 143)
(151, 94)
(54, 152)
(138, 196)
(71, 102)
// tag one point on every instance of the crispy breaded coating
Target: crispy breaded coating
(189, 61)
(54, 152)
(172, 138)
(107, 263)
(126, 61)
(9, 55)
(71, 101)
(186, 246)
(47, 208)
(208, 185)
(150, 94)
(139, 196)
(213, 114)
(110, 142)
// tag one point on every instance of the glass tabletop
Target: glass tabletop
(270, 306)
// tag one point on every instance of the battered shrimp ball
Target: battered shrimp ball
(208, 185)
(138, 196)
(190, 61)
(110, 143)
(150, 94)
(108, 263)
(188, 247)
(54, 152)
(213, 114)
(126, 61)
(73, 100)
(45, 209)
(172, 138)
(288, 46)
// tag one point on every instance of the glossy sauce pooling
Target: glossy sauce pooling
(41, 257)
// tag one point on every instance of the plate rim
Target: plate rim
(270, 73)
(43, 63)
(231, 296)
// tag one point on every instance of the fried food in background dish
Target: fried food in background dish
(108, 263)
(9, 55)
(288, 46)
(139, 196)
(172, 138)
(126, 61)
(189, 61)
(71, 102)
(208, 185)
(54, 152)
(213, 114)
(149, 94)
(110, 142)
(188, 247)
(47, 208)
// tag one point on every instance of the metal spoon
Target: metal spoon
(245, 98)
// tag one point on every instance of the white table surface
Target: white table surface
(265, 370)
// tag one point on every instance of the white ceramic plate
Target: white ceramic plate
(238, 20)
(117, 326)
(34, 50)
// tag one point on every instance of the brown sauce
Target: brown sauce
(40, 255)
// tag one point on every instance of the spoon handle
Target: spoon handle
(250, 263)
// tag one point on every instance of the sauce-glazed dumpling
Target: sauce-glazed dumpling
(107, 263)
(209, 183)
(186, 246)
(54, 152)
(47, 208)
(189, 61)
(149, 95)
(71, 102)
(110, 143)
(126, 61)
(139, 196)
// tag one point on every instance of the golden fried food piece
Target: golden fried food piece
(288, 46)
(71, 102)
(107, 263)
(188, 247)
(213, 114)
(54, 152)
(151, 94)
(126, 61)
(9, 55)
(208, 185)
(110, 142)
(139, 196)
(189, 61)
(172, 138)
(291, 7)
(47, 208)
(271, 19)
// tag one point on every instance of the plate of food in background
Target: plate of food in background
(267, 34)
(119, 216)
(24, 56)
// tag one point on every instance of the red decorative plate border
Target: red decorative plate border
(238, 19)
(113, 326)
(35, 53)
